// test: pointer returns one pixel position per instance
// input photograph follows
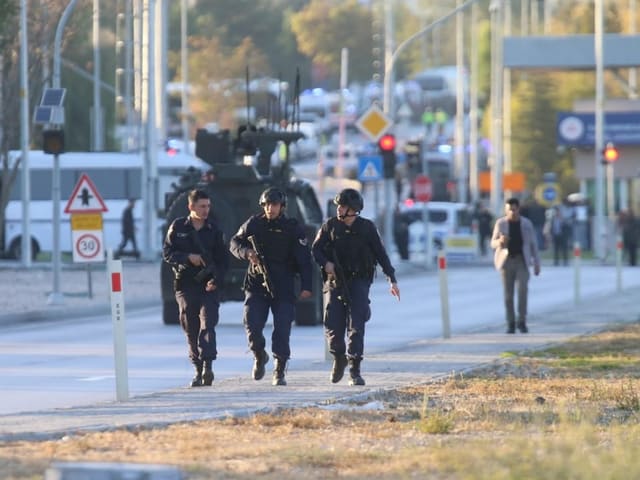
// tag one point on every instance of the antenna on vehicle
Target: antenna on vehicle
(296, 99)
(279, 99)
(248, 95)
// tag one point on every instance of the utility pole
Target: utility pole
(25, 246)
(600, 230)
(495, 10)
(98, 129)
(185, 110)
(460, 137)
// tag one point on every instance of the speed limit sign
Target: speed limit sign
(87, 246)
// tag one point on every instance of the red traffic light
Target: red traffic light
(610, 153)
(387, 143)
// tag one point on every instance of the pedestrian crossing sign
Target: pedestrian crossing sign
(370, 168)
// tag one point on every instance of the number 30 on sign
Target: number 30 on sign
(87, 246)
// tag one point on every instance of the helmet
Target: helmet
(351, 198)
(273, 195)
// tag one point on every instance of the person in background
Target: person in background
(536, 213)
(283, 254)
(516, 248)
(401, 234)
(128, 229)
(557, 230)
(194, 247)
(485, 223)
(630, 229)
(347, 249)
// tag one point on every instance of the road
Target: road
(66, 363)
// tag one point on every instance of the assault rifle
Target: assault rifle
(209, 272)
(262, 268)
(341, 283)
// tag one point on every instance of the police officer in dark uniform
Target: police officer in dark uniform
(347, 248)
(195, 248)
(276, 248)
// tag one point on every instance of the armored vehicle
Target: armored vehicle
(240, 171)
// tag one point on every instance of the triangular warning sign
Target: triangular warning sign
(85, 198)
(370, 171)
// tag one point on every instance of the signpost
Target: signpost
(374, 124)
(422, 191)
(369, 168)
(86, 207)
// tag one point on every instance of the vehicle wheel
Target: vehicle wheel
(15, 250)
(170, 314)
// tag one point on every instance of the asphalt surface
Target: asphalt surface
(308, 384)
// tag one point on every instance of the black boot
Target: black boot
(354, 372)
(339, 364)
(260, 360)
(207, 374)
(196, 381)
(279, 367)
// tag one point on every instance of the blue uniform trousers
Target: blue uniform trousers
(198, 318)
(337, 322)
(256, 312)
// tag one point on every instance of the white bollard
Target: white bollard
(114, 273)
(444, 294)
(577, 254)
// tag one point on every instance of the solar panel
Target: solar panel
(42, 115)
(53, 97)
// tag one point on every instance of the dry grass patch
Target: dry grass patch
(550, 414)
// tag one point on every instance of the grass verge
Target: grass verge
(570, 411)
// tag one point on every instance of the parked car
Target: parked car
(450, 227)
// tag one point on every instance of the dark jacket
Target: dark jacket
(358, 247)
(285, 249)
(128, 228)
(180, 243)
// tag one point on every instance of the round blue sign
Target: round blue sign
(549, 193)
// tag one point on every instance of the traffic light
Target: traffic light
(610, 153)
(413, 152)
(387, 148)
(53, 141)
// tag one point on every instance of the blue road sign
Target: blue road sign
(369, 168)
(550, 193)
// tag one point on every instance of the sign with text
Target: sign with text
(579, 129)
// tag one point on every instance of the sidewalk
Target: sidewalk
(308, 384)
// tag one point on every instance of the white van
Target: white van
(450, 227)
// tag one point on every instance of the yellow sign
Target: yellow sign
(374, 123)
(461, 242)
(86, 221)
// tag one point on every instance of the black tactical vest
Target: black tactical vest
(352, 248)
(277, 240)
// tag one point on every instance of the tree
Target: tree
(325, 27)
(533, 143)
(40, 24)
(218, 77)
